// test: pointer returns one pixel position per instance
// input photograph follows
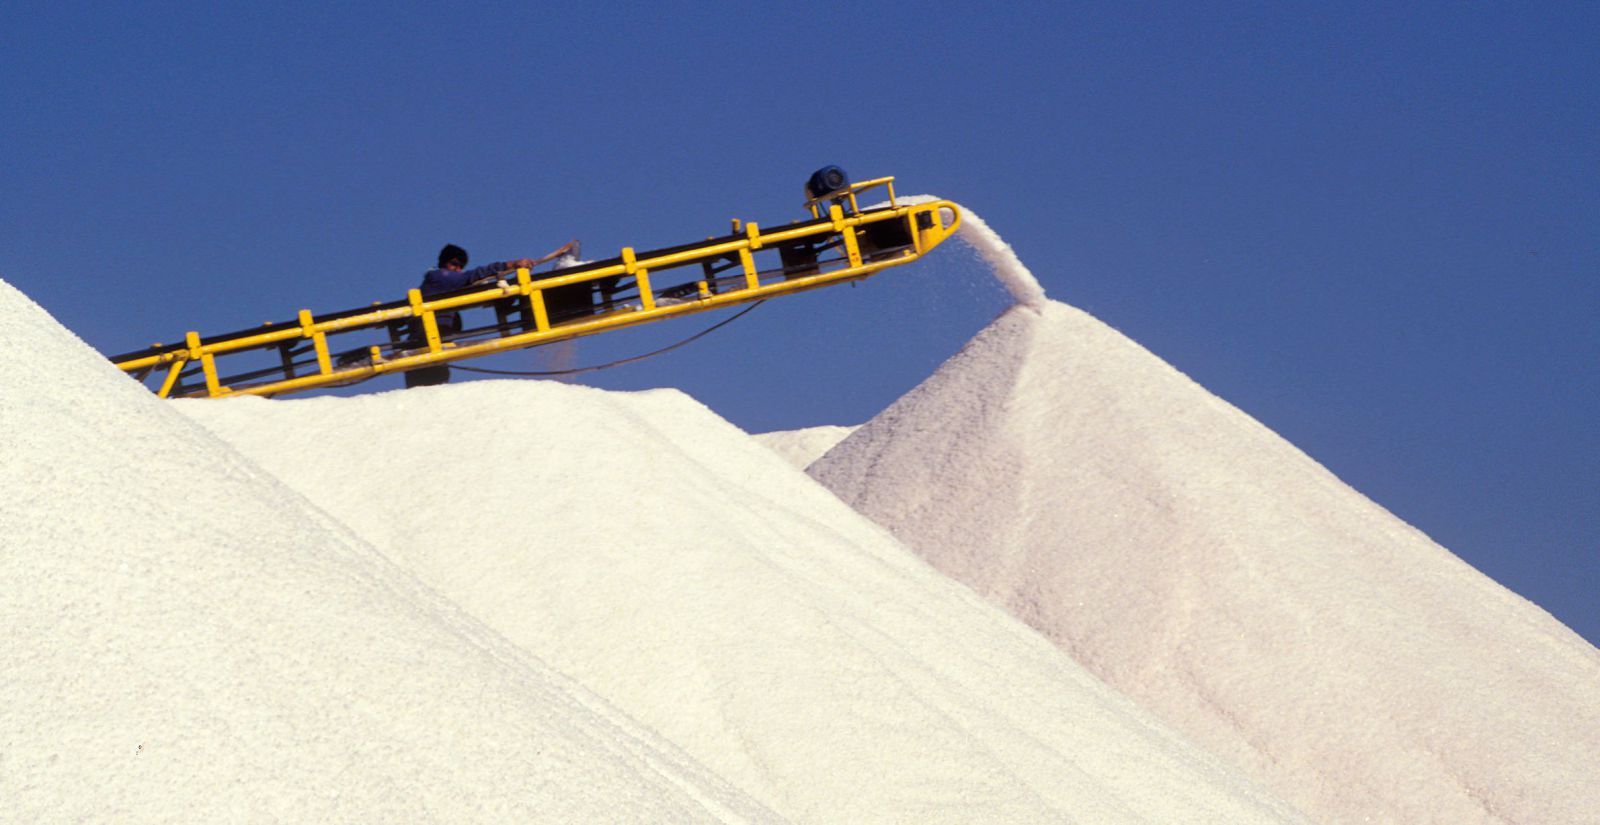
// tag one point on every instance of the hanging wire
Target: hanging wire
(577, 370)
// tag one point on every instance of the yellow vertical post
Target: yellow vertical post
(641, 277)
(748, 261)
(541, 317)
(647, 299)
(208, 363)
(752, 234)
(319, 342)
(852, 249)
(430, 324)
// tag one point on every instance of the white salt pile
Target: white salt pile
(690, 576)
(185, 639)
(1204, 566)
(801, 447)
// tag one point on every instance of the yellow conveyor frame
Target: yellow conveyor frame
(840, 243)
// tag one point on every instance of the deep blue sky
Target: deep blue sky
(1375, 227)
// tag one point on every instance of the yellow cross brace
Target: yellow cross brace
(636, 288)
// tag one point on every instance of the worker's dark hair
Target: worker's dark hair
(452, 253)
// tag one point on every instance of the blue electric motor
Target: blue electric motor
(826, 181)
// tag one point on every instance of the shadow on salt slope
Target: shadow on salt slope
(186, 639)
(644, 545)
(1203, 565)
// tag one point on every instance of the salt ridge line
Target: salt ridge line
(1008, 269)
(801, 447)
(733, 605)
(187, 639)
(1209, 569)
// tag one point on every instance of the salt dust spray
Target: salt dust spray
(1001, 258)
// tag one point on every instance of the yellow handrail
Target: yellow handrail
(924, 226)
(849, 193)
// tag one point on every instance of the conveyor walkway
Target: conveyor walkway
(840, 242)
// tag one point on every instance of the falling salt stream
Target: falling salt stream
(1001, 258)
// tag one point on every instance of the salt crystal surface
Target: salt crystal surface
(703, 585)
(801, 447)
(1198, 562)
(185, 639)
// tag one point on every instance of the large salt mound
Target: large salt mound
(662, 557)
(1197, 561)
(185, 639)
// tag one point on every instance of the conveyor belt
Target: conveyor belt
(838, 244)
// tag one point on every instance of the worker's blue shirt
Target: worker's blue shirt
(444, 280)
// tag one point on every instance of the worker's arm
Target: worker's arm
(446, 280)
(529, 263)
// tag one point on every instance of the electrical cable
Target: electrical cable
(577, 370)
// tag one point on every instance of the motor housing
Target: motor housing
(826, 181)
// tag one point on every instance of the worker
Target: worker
(452, 274)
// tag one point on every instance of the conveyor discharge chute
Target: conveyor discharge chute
(840, 242)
